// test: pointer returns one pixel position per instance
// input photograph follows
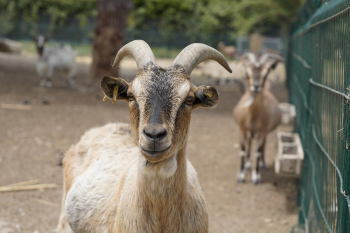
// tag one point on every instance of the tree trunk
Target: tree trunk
(110, 30)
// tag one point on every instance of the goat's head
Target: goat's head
(257, 69)
(40, 42)
(161, 100)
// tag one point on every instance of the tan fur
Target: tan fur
(152, 205)
(263, 114)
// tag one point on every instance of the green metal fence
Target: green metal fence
(318, 67)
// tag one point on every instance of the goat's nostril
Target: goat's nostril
(155, 131)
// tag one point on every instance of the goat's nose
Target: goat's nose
(155, 131)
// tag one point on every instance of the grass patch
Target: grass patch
(86, 49)
(81, 49)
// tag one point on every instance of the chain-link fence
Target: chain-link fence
(318, 68)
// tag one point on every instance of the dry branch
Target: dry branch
(16, 106)
(29, 182)
(26, 187)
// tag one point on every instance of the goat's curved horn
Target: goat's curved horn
(195, 53)
(264, 58)
(140, 50)
(248, 57)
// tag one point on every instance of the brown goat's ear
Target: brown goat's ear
(206, 96)
(115, 88)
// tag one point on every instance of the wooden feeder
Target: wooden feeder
(290, 154)
(288, 113)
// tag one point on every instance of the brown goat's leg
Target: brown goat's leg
(262, 151)
(245, 141)
(248, 144)
(243, 153)
(256, 177)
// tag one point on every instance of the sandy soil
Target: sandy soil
(32, 140)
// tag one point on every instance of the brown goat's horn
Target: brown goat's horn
(194, 54)
(249, 57)
(264, 58)
(140, 50)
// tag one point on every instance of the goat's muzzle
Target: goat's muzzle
(155, 142)
(255, 89)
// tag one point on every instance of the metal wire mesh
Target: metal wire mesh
(318, 67)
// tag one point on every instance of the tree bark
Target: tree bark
(110, 31)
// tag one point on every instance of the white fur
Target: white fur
(56, 59)
(168, 167)
(247, 164)
(256, 177)
(241, 176)
(249, 101)
(242, 153)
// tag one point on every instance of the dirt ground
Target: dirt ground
(32, 140)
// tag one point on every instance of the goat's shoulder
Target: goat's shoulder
(113, 139)
(196, 213)
(94, 169)
(194, 191)
(242, 107)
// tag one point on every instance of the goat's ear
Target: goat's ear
(110, 84)
(273, 60)
(206, 96)
(274, 64)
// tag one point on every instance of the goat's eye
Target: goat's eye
(189, 100)
(131, 97)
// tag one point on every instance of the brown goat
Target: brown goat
(257, 112)
(136, 178)
(227, 51)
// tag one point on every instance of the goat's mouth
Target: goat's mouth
(154, 154)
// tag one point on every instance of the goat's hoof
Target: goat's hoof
(247, 165)
(60, 159)
(240, 177)
(48, 84)
(42, 83)
(69, 84)
(262, 166)
(256, 177)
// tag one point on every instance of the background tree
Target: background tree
(58, 11)
(261, 15)
(193, 16)
(232, 17)
(110, 30)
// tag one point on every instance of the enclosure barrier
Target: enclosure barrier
(318, 69)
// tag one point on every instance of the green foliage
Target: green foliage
(260, 15)
(195, 16)
(233, 17)
(29, 11)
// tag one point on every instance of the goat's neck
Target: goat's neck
(167, 177)
(40, 50)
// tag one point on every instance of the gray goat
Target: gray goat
(60, 58)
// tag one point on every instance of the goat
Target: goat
(137, 178)
(227, 51)
(257, 112)
(59, 58)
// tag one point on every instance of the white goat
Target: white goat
(60, 58)
(136, 178)
(257, 113)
